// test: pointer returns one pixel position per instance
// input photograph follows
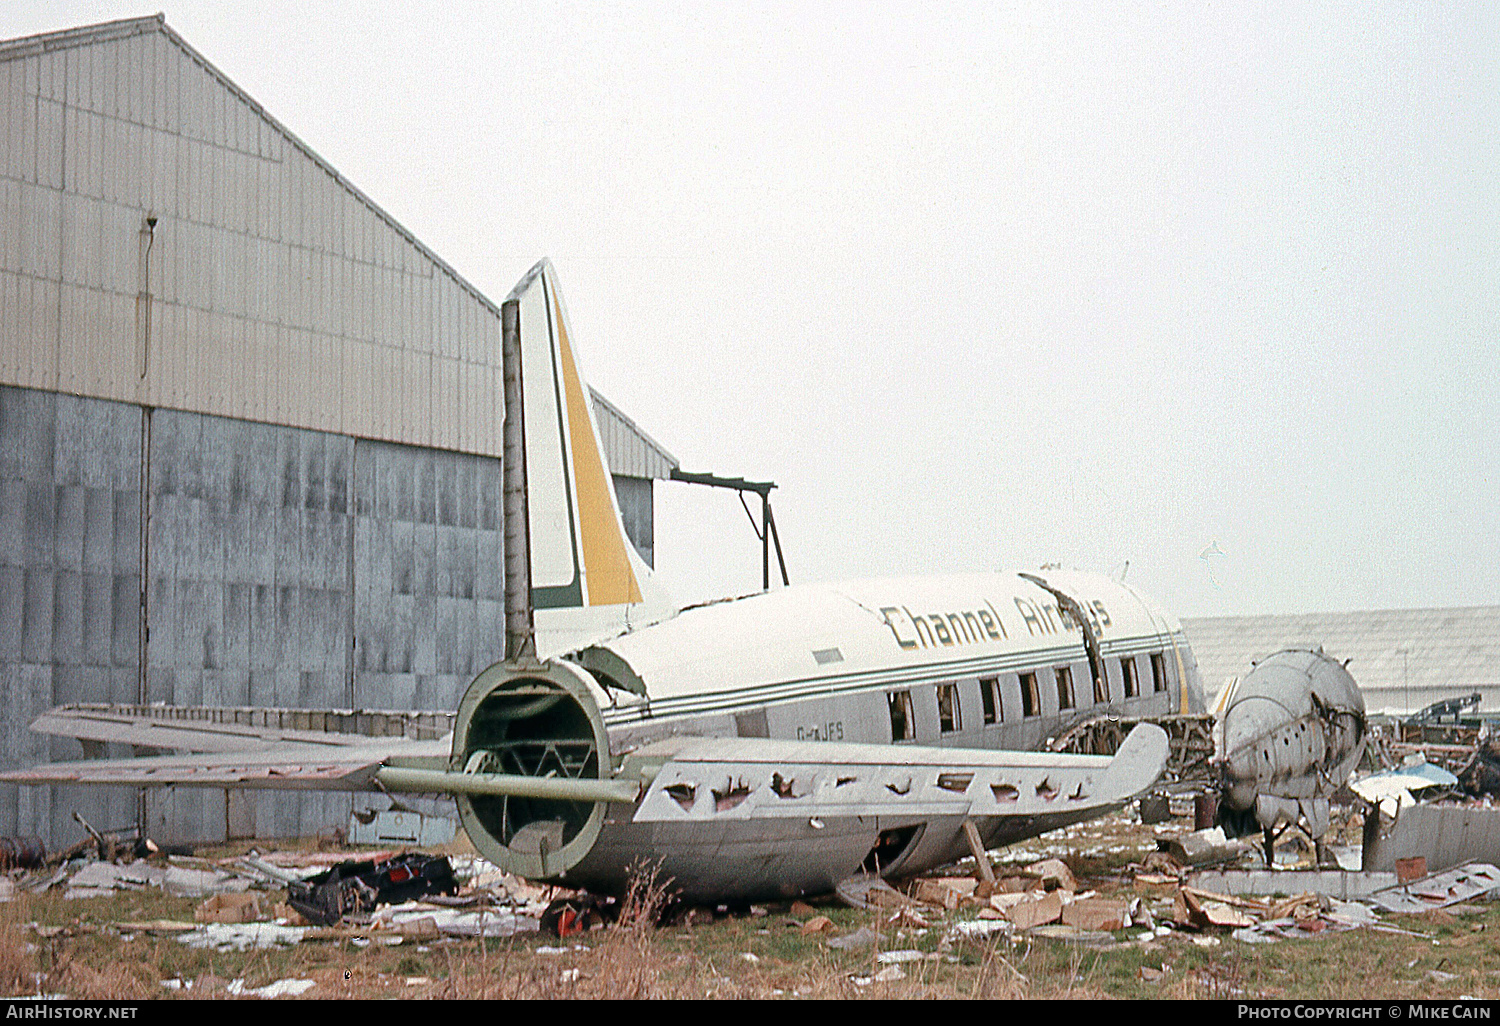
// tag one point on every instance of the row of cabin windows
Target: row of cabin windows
(950, 709)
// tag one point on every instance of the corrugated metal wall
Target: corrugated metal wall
(286, 567)
(69, 587)
(278, 293)
(324, 482)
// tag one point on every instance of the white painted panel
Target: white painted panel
(44, 334)
(104, 156)
(10, 124)
(131, 156)
(39, 213)
(49, 143)
(164, 58)
(80, 241)
(10, 328)
(73, 339)
(93, 184)
(172, 64)
(552, 551)
(10, 225)
(137, 62)
(27, 115)
(121, 370)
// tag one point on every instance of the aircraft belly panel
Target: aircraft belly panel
(730, 861)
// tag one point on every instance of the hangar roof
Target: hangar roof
(1403, 659)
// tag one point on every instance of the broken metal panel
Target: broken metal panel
(395, 827)
(1333, 883)
(1437, 890)
(1445, 835)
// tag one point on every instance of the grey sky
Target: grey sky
(978, 287)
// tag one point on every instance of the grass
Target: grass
(75, 948)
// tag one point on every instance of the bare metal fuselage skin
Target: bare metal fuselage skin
(791, 738)
(1293, 730)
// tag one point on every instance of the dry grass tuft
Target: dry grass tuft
(122, 981)
(647, 897)
(18, 965)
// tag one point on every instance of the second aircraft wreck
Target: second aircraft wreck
(767, 746)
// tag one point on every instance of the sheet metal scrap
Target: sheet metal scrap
(354, 887)
(1438, 890)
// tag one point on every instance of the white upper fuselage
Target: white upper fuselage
(827, 662)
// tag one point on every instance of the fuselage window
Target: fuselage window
(1064, 676)
(950, 716)
(903, 726)
(1031, 698)
(1127, 669)
(989, 694)
(1158, 672)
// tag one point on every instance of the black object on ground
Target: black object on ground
(355, 887)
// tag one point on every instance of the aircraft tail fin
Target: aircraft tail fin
(586, 581)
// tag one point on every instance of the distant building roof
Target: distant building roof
(1403, 659)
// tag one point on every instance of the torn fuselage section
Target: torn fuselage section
(1292, 732)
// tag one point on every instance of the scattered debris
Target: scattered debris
(21, 853)
(1097, 914)
(242, 936)
(1438, 890)
(945, 892)
(281, 988)
(1332, 883)
(978, 929)
(870, 892)
(1038, 910)
(864, 937)
(1054, 875)
(1397, 789)
(1205, 847)
(577, 913)
(360, 886)
(232, 908)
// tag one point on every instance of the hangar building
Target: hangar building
(249, 428)
(1403, 659)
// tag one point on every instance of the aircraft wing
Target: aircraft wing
(228, 729)
(298, 767)
(296, 749)
(720, 779)
(234, 747)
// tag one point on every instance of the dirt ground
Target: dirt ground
(124, 945)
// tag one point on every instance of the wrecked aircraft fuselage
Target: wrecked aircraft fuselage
(1292, 731)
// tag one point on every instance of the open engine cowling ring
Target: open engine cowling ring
(536, 721)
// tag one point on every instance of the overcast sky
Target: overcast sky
(1211, 290)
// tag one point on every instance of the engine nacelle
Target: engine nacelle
(538, 721)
